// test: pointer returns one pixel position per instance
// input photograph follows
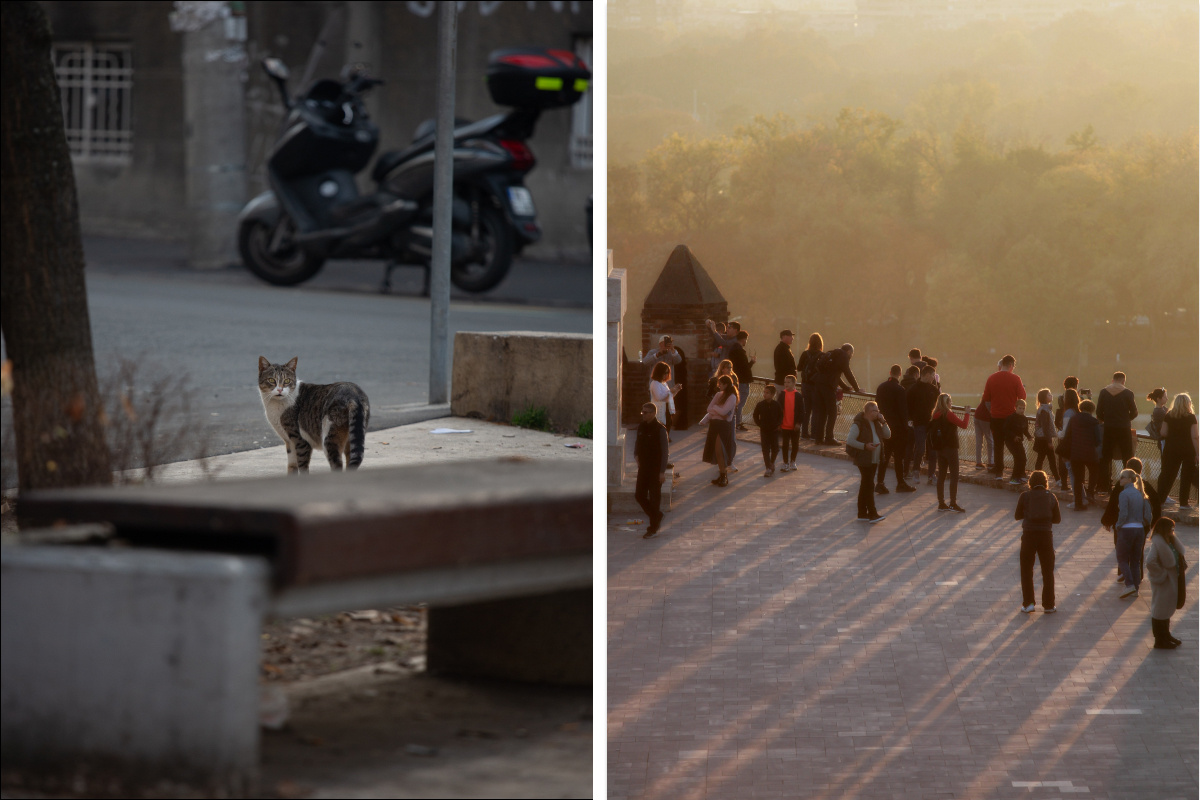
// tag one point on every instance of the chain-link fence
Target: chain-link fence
(852, 403)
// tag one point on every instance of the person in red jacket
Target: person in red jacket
(792, 404)
(1000, 395)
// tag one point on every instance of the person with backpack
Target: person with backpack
(1044, 435)
(922, 396)
(806, 368)
(893, 404)
(1165, 566)
(1112, 512)
(1115, 408)
(1082, 440)
(1038, 512)
(943, 438)
(1001, 392)
(864, 442)
(832, 366)
(1133, 520)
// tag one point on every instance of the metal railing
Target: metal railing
(852, 403)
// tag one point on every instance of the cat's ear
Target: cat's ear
(263, 364)
(292, 364)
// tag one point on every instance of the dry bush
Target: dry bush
(150, 422)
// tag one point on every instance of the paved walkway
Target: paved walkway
(767, 644)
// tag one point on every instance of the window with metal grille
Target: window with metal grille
(581, 115)
(96, 85)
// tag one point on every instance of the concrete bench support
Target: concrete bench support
(135, 664)
(541, 638)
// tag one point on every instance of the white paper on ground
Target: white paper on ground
(448, 430)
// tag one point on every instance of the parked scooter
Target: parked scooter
(314, 211)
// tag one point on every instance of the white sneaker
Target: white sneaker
(785, 467)
(1129, 592)
(1170, 501)
(1029, 609)
(793, 465)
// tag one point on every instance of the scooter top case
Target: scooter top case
(536, 77)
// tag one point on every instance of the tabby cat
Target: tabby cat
(332, 416)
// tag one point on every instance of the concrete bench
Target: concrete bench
(144, 658)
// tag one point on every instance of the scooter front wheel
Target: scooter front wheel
(268, 252)
(492, 256)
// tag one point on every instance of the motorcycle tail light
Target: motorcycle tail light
(522, 156)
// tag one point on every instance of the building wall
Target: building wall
(146, 197)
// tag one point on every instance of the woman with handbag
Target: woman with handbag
(1165, 567)
(1082, 440)
(720, 447)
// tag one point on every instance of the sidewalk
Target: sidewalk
(765, 644)
(406, 444)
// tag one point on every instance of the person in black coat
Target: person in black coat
(893, 404)
(785, 362)
(743, 368)
(1115, 408)
(834, 365)
(650, 452)
(768, 415)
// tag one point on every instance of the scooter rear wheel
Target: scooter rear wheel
(493, 256)
(287, 266)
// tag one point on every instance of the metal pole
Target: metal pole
(443, 191)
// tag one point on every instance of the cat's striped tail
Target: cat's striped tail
(358, 434)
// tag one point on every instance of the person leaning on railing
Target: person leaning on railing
(1179, 452)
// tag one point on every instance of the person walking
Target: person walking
(1001, 392)
(1179, 452)
(893, 404)
(785, 362)
(1083, 441)
(1133, 520)
(832, 367)
(1115, 408)
(742, 368)
(922, 397)
(1016, 431)
(1070, 407)
(806, 368)
(650, 452)
(791, 407)
(720, 446)
(768, 416)
(1037, 509)
(943, 436)
(1165, 565)
(1044, 435)
(867, 433)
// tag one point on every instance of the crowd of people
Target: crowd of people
(911, 422)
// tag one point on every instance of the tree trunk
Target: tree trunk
(57, 413)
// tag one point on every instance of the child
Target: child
(792, 404)
(1037, 508)
(1016, 430)
(1044, 434)
(767, 416)
(983, 435)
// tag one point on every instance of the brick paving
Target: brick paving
(766, 644)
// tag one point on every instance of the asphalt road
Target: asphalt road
(205, 332)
